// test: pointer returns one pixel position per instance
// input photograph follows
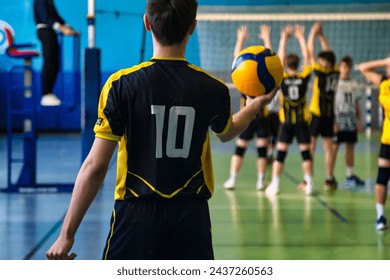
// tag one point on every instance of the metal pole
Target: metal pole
(91, 23)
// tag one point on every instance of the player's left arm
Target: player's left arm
(323, 40)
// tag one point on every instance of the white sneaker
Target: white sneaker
(272, 189)
(309, 189)
(230, 183)
(260, 185)
(50, 100)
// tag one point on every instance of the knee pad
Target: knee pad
(383, 176)
(262, 152)
(240, 151)
(281, 156)
(306, 155)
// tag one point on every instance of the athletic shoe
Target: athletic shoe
(309, 189)
(330, 184)
(355, 180)
(260, 185)
(229, 184)
(50, 100)
(381, 223)
(304, 186)
(272, 189)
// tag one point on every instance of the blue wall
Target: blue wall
(119, 36)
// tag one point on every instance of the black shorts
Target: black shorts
(299, 130)
(261, 126)
(346, 137)
(321, 126)
(384, 151)
(160, 229)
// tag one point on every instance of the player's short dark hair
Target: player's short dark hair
(347, 60)
(292, 61)
(170, 20)
(328, 56)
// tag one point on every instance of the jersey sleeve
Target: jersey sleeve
(223, 118)
(110, 124)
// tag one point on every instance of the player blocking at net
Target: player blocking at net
(159, 112)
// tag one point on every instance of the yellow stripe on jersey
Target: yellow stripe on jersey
(122, 157)
(315, 98)
(384, 99)
(111, 233)
(156, 190)
(102, 127)
(206, 158)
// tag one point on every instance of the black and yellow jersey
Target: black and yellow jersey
(160, 111)
(384, 99)
(294, 103)
(324, 90)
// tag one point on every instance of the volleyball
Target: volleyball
(256, 71)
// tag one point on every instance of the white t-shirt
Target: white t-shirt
(347, 95)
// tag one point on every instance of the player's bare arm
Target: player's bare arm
(88, 182)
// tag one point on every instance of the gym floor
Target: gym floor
(247, 224)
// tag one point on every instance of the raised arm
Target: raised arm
(315, 29)
(242, 36)
(323, 40)
(284, 36)
(368, 69)
(299, 32)
(265, 35)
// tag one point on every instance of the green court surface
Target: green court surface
(247, 224)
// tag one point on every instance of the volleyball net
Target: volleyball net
(359, 33)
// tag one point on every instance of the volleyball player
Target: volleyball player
(160, 112)
(259, 126)
(369, 71)
(294, 115)
(348, 119)
(322, 100)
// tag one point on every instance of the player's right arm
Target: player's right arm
(368, 69)
(299, 32)
(284, 36)
(315, 29)
(242, 36)
(243, 117)
(265, 35)
(88, 182)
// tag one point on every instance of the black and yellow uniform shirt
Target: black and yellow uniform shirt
(324, 90)
(294, 102)
(384, 100)
(160, 111)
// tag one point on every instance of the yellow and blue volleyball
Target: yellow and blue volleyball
(256, 71)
